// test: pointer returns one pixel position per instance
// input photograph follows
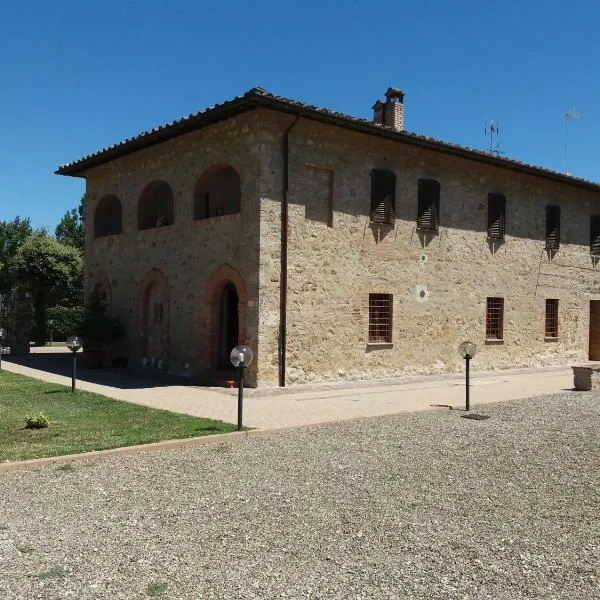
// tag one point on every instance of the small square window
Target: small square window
(494, 319)
(551, 329)
(380, 318)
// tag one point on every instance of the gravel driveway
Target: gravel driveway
(424, 505)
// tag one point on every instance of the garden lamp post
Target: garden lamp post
(50, 326)
(241, 357)
(2, 336)
(467, 351)
(74, 343)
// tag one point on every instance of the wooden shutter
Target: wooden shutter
(595, 235)
(428, 216)
(552, 227)
(496, 216)
(383, 196)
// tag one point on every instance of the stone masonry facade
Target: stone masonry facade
(437, 282)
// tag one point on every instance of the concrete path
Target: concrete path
(310, 404)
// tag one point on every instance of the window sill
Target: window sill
(156, 228)
(427, 230)
(496, 240)
(551, 339)
(551, 249)
(494, 342)
(382, 224)
(379, 345)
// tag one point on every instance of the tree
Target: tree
(12, 235)
(52, 272)
(71, 229)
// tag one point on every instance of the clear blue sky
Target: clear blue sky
(77, 76)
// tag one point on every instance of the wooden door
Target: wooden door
(594, 329)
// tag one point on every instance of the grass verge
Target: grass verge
(83, 421)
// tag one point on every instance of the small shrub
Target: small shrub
(39, 421)
(156, 589)
(65, 467)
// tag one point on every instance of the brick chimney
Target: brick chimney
(391, 112)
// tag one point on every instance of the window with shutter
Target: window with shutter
(428, 216)
(383, 196)
(496, 216)
(552, 227)
(595, 235)
(494, 319)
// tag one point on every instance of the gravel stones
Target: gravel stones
(422, 505)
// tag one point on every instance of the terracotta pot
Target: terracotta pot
(93, 359)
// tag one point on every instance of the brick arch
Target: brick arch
(155, 283)
(223, 276)
(100, 286)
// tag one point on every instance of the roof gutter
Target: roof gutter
(283, 276)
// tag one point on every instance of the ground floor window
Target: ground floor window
(551, 330)
(494, 319)
(380, 318)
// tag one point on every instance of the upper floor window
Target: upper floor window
(218, 192)
(552, 227)
(595, 235)
(496, 216)
(108, 218)
(155, 208)
(428, 216)
(383, 196)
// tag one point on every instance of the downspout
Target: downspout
(283, 279)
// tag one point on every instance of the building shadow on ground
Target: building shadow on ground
(61, 363)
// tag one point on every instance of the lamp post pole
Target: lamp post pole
(467, 351)
(467, 385)
(74, 343)
(241, 393)
(2, 335)
(74, 375)
(241, 357)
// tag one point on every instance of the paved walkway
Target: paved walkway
(274, 408)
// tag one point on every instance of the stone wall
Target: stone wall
(337, 257)
(439, 282)
(187, 253)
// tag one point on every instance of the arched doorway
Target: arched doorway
(154, 317)
(228, 333)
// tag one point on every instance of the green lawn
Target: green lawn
(83, 421)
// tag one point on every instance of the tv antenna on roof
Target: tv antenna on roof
(570, 115)
(493, 127)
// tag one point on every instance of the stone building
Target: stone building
(336, 247)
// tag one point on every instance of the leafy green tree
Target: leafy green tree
(52, 272)
(12, 235)
(71, 229)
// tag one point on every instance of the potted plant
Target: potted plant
(98, 331)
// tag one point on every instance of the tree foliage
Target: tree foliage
(12, 235)
(52, 272)
(71, 229)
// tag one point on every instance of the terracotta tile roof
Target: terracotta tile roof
(258, 97)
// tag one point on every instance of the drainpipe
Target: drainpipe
(284, 252)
